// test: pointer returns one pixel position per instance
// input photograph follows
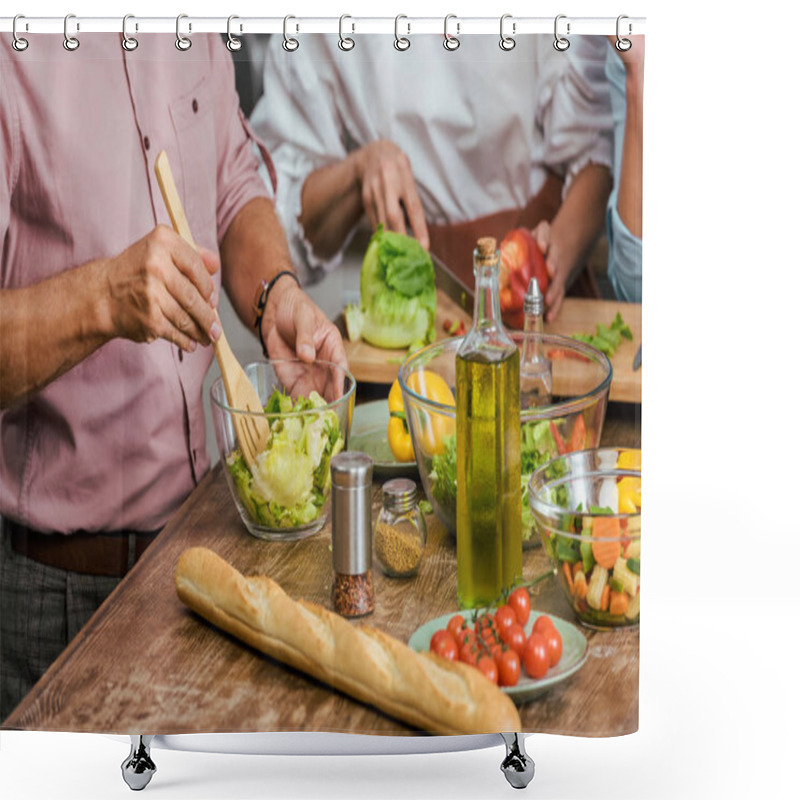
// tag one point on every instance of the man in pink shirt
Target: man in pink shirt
(106, 315)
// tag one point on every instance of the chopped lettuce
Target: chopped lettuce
(398, 293)
(291, 479)
(537, 447)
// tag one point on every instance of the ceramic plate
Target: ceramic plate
(368, 435)
(573, 655)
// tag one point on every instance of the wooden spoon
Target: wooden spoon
(252, 429)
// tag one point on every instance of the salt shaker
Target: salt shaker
(400, 532)
(351, 505)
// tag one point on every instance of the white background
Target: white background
(719, 698)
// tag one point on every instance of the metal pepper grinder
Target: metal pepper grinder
(351, 505)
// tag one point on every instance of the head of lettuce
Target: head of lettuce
(398, 294)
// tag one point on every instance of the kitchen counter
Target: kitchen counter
(144, 663)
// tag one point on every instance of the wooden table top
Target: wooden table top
(146, 664)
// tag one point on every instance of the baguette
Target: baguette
(421, 689)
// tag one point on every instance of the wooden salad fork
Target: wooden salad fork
(252, 429)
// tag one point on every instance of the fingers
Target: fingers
(413, 206)
(304, 331)
(178, 327)
(202, 323)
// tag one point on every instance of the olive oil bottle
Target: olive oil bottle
(488, 488)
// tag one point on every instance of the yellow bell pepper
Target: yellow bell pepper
(397, 433)
(434, 428)
(629, 459)
(629, 494)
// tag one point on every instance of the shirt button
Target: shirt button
(195, 106)
(146, 142)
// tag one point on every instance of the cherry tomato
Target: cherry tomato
(465, 636)
(542, 624)
(447, 648)
(554, 645)
(503, 617)
(484, 622)
(535, 657)
(497, 651)
(515, 638)
(487, 666)
(520, 601)
(455, 625)
(509, 668)
(468, 654)
(439, 637)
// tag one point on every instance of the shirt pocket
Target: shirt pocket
(193, 119)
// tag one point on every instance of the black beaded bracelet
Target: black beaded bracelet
(261, 303)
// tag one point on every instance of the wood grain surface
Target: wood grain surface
(578, 315)
(145, 664)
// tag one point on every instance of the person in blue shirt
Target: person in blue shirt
(625, 72)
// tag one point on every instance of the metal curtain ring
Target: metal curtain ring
(70, 42)
(507, 42)
(401, 42)
(183, 43)
(233, 44)
(289, 44)
(623, 45)
(346, 42)
(561, 43)
(451, 42)
(129, 43)
(18, 43)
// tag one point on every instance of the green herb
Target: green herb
(607, 338)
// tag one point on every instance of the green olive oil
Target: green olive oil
(489, 513)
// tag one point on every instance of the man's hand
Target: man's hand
(388, 190)
(294, 327)
(160, 288)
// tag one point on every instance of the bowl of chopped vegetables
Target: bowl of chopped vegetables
(570, 418)
(587, 508)
(309, 408)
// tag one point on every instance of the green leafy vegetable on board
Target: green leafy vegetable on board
(607, 338)
(292, 476)
(398, 294)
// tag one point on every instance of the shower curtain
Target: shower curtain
(288, 154)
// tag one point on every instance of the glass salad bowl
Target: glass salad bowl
(309, 408)
(587, 509)
(571, 420)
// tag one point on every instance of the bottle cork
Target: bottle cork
(486, 251)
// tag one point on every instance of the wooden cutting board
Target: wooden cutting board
(371, 364)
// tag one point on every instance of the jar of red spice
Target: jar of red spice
(351, 507)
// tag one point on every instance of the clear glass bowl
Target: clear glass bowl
(598, 569)
(581, 380)
(301, 454)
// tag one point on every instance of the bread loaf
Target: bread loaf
(421, 689)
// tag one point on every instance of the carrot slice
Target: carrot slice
(618, 602)
(568, 574)
(605, 553)
(604, 598)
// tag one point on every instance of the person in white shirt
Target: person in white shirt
(446, 146)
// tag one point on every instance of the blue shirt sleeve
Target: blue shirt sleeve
(624, 249)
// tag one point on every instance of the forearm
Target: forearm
(581, 217)
(331, 205)
(48, 328)
(629, 196)
(254, 248)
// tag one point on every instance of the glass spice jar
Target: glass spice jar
(351, 507)
(400, 532)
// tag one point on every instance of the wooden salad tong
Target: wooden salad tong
(252, 427)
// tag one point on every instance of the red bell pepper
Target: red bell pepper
(520, 260)
(577, 440)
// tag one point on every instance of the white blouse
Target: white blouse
(480, 126)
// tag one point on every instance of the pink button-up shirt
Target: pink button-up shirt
(119, 440)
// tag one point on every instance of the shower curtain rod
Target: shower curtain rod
(347, 24)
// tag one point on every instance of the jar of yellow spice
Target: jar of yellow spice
(400, 532)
